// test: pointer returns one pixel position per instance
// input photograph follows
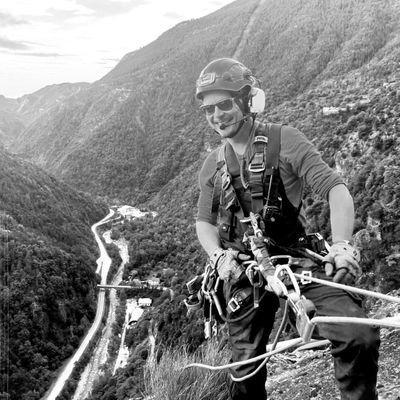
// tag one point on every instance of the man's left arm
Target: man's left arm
(343, 259)
(342, 213)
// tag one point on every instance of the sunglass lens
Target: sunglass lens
(224, 105)
(209, 109)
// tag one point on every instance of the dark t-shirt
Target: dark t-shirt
(300, 164)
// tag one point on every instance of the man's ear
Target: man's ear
(257, 100)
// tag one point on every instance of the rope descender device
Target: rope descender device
(306, 319)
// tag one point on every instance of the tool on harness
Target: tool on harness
(303, 308)
(254, 271)
(256, 280)
(202, 290)
(209, 287)
(264, 266)
(195, 300)
(314, 242)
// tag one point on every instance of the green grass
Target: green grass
(170, 380)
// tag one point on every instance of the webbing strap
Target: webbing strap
(263, 163)
(227, 192)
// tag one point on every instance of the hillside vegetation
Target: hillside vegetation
(47, 275)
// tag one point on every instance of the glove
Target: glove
(342, 262)
(276, 286)
(226, 263)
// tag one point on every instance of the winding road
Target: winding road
(103, 265)
(100, 355)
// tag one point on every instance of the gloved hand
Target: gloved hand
(227, 265)
(275, 285)
(342, 262)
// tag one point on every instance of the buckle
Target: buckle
(257, 163)
(226, 180)
(233, 305)
(261, 139)
(280, 258)
(253, 168)
(304, 275)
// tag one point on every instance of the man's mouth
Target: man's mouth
(223, 124)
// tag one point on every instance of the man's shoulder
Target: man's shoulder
(209, 167)
(287, 131)
(291, 136)
(212, 156)
(288, 134)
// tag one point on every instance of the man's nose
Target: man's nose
(218, 112)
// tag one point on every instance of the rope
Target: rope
(245, 362)
(275, 342)
(349, 288)
(385, 322)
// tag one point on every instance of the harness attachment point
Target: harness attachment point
(304, 276)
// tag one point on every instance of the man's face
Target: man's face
(222, 112)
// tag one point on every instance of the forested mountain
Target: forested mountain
(131, 132)
(329, 68)
(47, 275)
(17, 114)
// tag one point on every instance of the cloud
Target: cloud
(13, 44)
(39, 54)
(7, 19)
(54, 15)
(218, 3)
(115, 59)
(107, 8)
(173, 15)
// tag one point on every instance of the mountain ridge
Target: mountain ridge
(136, 98)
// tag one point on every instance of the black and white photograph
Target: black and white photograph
(200, 200)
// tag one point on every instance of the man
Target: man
(238, 180)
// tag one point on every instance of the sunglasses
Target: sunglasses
(223, 105)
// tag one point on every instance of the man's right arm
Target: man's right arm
(208, 236)
(226, 262)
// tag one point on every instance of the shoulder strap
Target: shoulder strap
(274, 148)
(228, 195)
(264, 162)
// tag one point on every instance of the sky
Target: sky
(44, 42)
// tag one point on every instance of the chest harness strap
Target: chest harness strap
(262, 168)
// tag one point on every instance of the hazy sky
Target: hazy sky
(43, 42)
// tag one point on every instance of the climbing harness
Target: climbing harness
(303, 309)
